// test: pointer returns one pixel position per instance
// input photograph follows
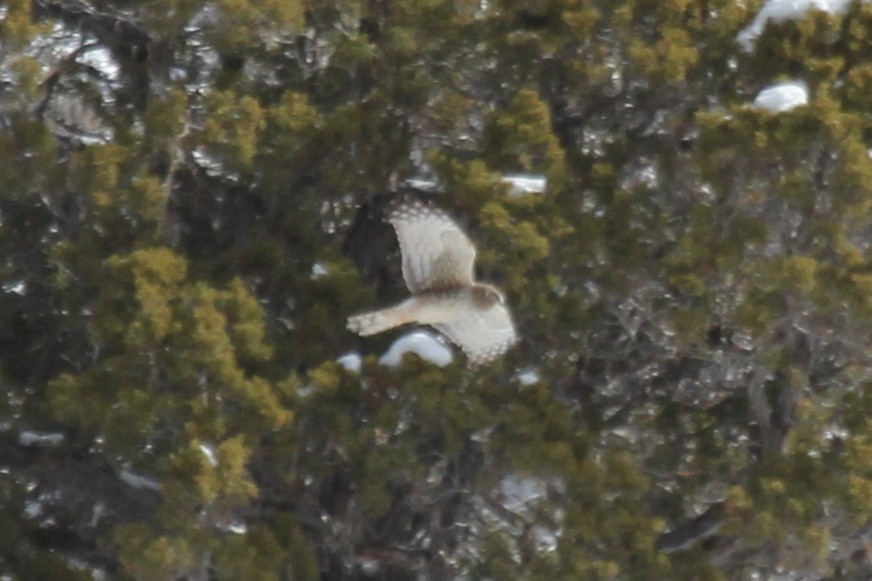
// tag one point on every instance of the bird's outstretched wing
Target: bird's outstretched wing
(437, 254)
(483, 335)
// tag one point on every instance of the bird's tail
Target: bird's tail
(377, 321)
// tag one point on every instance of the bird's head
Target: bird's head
(486, 295)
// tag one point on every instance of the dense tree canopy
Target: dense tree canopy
(191, 197)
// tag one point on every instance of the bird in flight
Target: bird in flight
(438, 265)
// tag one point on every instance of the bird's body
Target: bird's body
(438, 261)
(429, 308)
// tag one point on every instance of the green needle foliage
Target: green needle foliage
(191, 196)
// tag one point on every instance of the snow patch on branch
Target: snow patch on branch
(138, 481)
(782, 97)
(520, 184)
(351, 361)
(40, 439)
(422, 343)
(209, 452)
(528, 377)
(523, 183)
(783, 10)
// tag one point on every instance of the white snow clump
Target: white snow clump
(424, 344)
(351, 361)
(782, 10)
(782, 97)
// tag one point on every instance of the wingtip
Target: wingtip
(491, 355)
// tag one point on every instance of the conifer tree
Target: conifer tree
(191, 203)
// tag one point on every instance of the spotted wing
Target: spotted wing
(436, 253)
(483, 335)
